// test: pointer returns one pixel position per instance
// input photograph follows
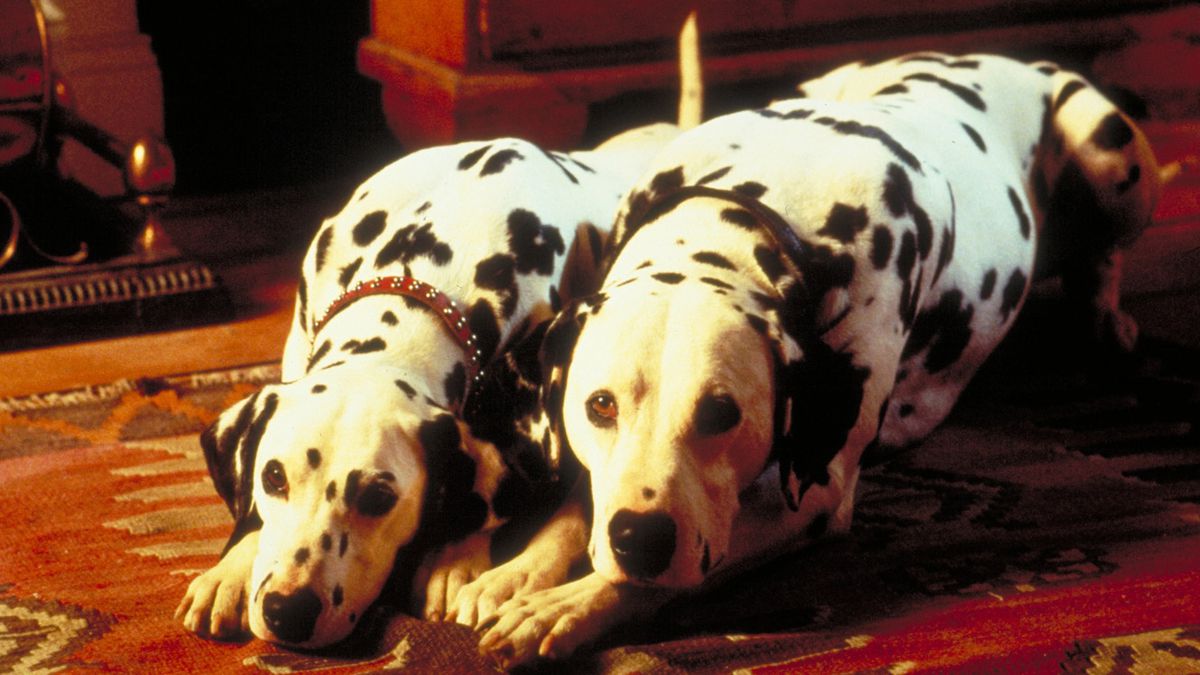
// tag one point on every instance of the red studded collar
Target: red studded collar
(439, 302)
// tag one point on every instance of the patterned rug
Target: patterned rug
(1052, 525)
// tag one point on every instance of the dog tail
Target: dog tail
(691, 84)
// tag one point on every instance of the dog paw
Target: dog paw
(521, 576)
(215, 602)
(553, 623)
(448, 570)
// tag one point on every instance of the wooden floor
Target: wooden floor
(259, 266)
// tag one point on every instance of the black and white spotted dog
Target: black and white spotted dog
(360, 454)
(790, 285)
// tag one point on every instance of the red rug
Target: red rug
(1052, 525)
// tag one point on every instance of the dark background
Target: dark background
(265, 93)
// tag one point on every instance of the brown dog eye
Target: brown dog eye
(376, 500)
(602, 409)
(274, 479)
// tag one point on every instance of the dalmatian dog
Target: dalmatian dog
(414, 311)
(789, 287)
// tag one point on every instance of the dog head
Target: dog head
(344, 470)
(662, 384)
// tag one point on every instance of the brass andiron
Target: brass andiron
(75, 264)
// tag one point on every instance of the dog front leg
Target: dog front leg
(544, 562)
(215, 604)
(553, 623)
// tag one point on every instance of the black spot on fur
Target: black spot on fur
(668, 277)
(715, 414)
(713, 258)
(1019, 208)
(989, 284)
(407, 389)
(789, 115)
(423, 207)
(750, 189)
(498, 273)
(370, 227)
(644, 265)
(855, 128)
(716, 282)
(337, 596)
(319, 354)
(331, 491)
(326, 541)
(535, 245)
(301, 555)
(769, 262)
(758, 323)
(561, 164)
(389, 318)
(892, 89)
(375, 344)
(1113, 133)
(412, 241)
(346, 275)
(345, 541)
(844, 222)
(715, 175)
(455, 384)
(740, 217)
(314, 457)
(1069, 89)
(318, 388)
(1048, 69)
(499, 160)
(482, 320)
(967, 95)
(1014, 289)
(1135, 173)
(975, 137)
(667, 181)
(323, 241)
(881, 246)
(898, 195)
(945, 329)
(472, 157)
(350, 493)
(945, 253)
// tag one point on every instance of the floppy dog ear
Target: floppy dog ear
(230, 447)
(818, 394)
(555, 354)
(581, 270)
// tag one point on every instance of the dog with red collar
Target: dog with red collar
(360, 465)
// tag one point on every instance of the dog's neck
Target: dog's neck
(402, 336)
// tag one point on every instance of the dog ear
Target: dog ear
(230, 447)
(581, 270)
(558, 346)
(818, 398)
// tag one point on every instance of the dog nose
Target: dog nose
(292, 617)
(642, 543)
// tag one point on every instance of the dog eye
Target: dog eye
(376, 500)
(274, 480)
(716, 414)
(602, 409)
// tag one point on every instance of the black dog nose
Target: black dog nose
(642, 543)
(292, 617)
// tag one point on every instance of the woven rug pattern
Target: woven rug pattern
(1052, 525)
